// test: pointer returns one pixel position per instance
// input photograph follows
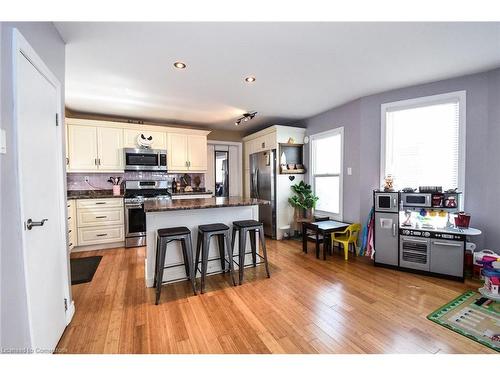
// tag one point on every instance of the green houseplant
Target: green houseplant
(304, 201)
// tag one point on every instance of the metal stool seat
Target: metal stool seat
(205, 233)
(243, 227)
(164, 237)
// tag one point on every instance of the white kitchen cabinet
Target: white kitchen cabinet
(94, 149)
(82, 148)
(187, 152)
(159, 138)
(110, 149)
(177, 152)
(197, 153)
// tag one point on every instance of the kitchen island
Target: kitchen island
(165, 213)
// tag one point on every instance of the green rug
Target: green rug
(472, 316)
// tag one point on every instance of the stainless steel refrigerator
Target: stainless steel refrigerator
(263, 186)
(386, 228)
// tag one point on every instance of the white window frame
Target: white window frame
(420, 102)
(325, 134)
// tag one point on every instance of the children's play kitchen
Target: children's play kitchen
(422, 231)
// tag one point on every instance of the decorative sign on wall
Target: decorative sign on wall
(143, 141)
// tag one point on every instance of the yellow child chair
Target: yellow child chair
(347, 237)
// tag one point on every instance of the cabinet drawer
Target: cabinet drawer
(100, 217)
(99, 235)
(100, 203)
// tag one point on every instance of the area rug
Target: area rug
(472, 316)
(83, 269)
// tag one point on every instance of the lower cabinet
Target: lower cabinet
(99, 221)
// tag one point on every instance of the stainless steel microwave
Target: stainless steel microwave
(416, 199)
(386, 202)
(145, 159)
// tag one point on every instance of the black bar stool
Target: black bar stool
(164, 237)
(205, 233)
(251, 227)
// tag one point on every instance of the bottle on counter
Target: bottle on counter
(174, 186)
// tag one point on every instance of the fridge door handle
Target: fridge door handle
(257, 183)
(393, 230)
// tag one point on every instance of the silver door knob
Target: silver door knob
(30, 223)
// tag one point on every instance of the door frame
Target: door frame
(22, 49)
(240, 170)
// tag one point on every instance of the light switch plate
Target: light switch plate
(349, 171)
(3, 142)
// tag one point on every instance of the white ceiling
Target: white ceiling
(125, 69)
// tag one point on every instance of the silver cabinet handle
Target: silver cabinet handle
(95, 161)
(30, 223)
(446, 244)
(101, 235)
(100, 202)
(395, 202)
(415, 240)
(393, 230)
(101, 217)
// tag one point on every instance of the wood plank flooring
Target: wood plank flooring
(307, 306)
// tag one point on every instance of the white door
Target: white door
(110, 149)
(82, 148)
(177, 152)
(197, 153)
(40, 181)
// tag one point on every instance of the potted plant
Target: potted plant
(304, 201)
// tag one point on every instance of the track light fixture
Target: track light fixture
(246, 117)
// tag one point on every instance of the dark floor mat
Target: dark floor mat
(83, 269)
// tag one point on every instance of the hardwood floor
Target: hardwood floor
(307, 306)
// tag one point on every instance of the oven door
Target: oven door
(135, 224)
(414, 253)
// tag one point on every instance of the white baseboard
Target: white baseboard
(70, 312)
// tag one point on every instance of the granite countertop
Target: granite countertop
(191, 193)
(92, 194)
(158, 205)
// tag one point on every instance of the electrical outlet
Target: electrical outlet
(86, 178)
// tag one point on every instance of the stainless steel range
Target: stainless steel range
(136, 193)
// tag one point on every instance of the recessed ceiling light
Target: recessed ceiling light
(179, 65)
(250, 79)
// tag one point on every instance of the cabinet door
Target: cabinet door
(82, 148)
(177, 152)
(110, 149)
(159, 138)
(197, 153)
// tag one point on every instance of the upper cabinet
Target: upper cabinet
(110, 149)
(187, 152)
(93, 148)
(82, 148)
(97, 146)
(159, 138)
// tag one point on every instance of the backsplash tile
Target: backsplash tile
(98, 181)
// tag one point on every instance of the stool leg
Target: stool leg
(204, 260)
(253, 246)
(230, 254)
(233, 238)
(189, 256)
(242, 244)
(198, 250)
(264, 251)
(159, 274)
(157, 260)
(220, 242)
(184, 256)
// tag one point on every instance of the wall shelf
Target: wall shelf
(294, 154)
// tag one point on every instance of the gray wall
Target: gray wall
(48, 44)
(361, 122)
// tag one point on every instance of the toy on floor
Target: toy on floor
(491, 274)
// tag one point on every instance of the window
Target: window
(326, 171)
(423, 141)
